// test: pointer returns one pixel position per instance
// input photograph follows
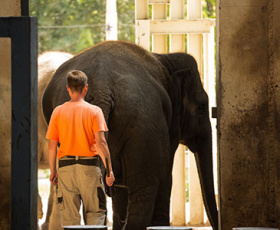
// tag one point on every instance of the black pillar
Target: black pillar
(24, 7)
(23, 34)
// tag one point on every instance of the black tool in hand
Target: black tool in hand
(108, 175)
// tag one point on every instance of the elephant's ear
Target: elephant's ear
(181, 73)
(183, 78)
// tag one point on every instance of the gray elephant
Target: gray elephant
(151, 103)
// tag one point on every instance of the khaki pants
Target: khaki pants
(78, 183)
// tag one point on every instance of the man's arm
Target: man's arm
(52, 160)
(103, 152)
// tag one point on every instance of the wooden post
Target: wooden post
(210, 87)
(194, 47)
(178, 194)
(177, 44)
(159, 42)
(111, 20)
(141, 10)
(142, 34)
(177, 41)
(142, 28)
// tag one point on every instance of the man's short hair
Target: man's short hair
(76, 80)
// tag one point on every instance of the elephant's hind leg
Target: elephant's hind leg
(140, 208)
(120, 202)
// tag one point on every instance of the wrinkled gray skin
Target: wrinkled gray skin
(151, 102)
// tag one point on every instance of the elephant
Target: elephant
(151, 103)
(48, 62)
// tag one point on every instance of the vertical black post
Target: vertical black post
(24, 124)
(23, 34)
(24, 7)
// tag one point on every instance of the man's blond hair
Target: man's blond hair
(76, 80)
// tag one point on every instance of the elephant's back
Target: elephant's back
(122, 69)
(122, 57)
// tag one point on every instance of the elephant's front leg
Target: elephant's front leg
(140, 208)
(120, 202)
(162, 204)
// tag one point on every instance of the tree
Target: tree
(73, 25)
(209, 8)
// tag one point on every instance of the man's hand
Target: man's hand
(52, 160)
(110, 179)
(103, 152)
(53, 178)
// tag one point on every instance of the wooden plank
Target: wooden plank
(158, 1)
(111, 20)
(194, 47)
(181, 26)
(195, 195)
(178, 194)
(142, 34)
(159, 11)
(194, 9)
(141, 9)
(159, 42)
(196, 202)
(177, 44)
(176, 9)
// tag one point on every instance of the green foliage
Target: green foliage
(209, 8)
(126, 20)
(73, 25)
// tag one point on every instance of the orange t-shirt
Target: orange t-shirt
(73, 124)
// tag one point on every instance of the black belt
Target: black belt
(65, 162)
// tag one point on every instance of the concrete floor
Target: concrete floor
(44, 188)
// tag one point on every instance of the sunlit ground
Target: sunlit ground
(44, 190)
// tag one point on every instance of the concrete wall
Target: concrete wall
(249, 112)
(8, 8)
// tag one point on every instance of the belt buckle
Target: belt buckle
(77, 158)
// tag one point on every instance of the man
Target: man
(79, 128)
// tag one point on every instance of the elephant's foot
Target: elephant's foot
(140, 209)
(162, 205)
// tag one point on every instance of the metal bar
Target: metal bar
(23, 34)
